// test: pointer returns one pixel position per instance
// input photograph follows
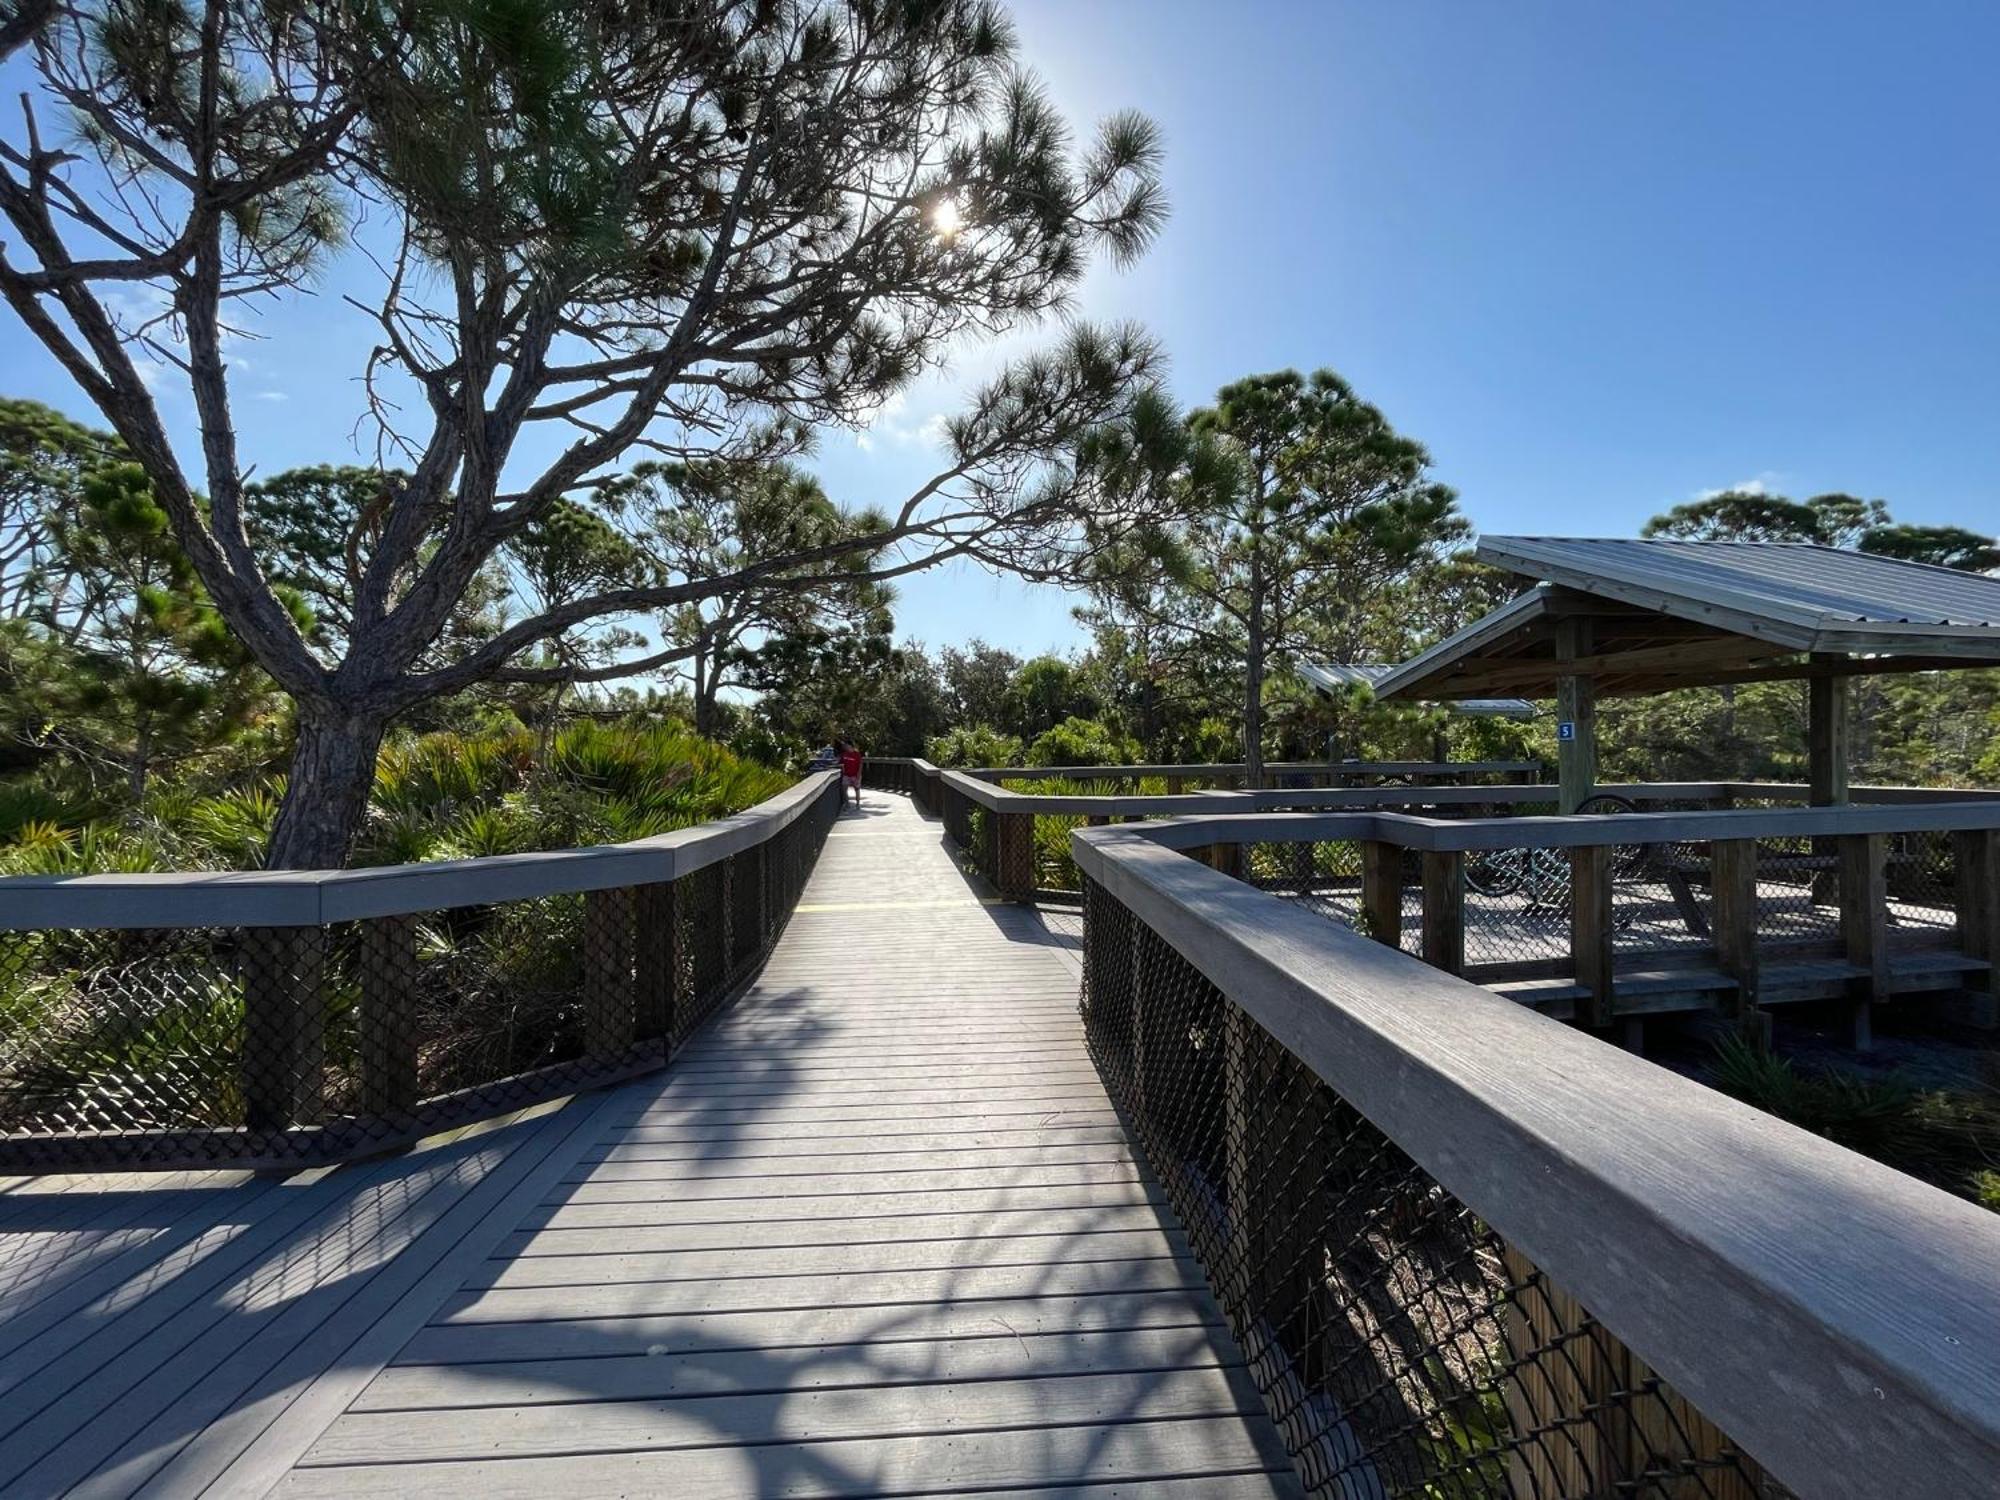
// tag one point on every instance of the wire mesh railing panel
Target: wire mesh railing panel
(1661, 901)
(198, 1045)
(1921, 874)
(1798, 892)
(1325, 876)
(107, 1031)
(1055, 870)
(1517, 907)
(1400, 1344)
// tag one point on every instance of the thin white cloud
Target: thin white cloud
(892, 426)
(1765, 482)
(272, 396)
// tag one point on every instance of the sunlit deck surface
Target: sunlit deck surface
(876, 1232)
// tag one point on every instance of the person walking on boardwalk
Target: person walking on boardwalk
(850, 770)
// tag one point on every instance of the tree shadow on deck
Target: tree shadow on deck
(768, 1279)
(729, 1297)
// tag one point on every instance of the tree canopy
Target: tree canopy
(698, 233)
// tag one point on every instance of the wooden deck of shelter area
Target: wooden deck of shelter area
(876, 1232)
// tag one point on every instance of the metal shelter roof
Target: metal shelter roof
(1332, 676)
(1665, 614)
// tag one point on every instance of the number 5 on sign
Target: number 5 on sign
(1566, 730)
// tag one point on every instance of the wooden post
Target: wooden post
(1590, 928)
(1382, 892)
(1576, 705)
(1733, 887)
(657, 961)
(1227, 858)
(609, 1013)
(1976, 862)
(1827, 736)
(1864, 924)
(386, 1026)
(1444, 910)
(1014, 855)
(284, 1026)
(1827, 755)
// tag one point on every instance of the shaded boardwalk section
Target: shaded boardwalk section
(877, 1231)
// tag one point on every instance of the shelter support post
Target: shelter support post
(1590, 929)
(1576, 708)
(1827, 755)
(1827, 736)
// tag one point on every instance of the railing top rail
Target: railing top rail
(1576, 831)
(1716, 1241)
(1801, 791)
(1274, 768)
(1951, 806)
(310, 898)
(1113, 804)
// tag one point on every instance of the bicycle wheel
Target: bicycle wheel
(1629, 862)
(1607, 802)
(1495, 872)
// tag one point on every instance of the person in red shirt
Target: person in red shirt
(850, 770)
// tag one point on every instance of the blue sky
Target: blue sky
(1600, 258)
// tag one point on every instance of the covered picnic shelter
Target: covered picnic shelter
(1603, 617)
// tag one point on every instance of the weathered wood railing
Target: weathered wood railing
(1618, 917)
(919, 779)
(1468, 1250)
(1019, 838)
(1226, 776)
(296, 1017)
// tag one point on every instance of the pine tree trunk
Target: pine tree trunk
(704, 697)
(1253, 682)
(326, 790)
(142, 753)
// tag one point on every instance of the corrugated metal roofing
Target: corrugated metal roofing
(1794, 583)
(1334, 675)
(1783, 601)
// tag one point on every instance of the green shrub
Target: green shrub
(974, 745)
(1082, 742)
(449, 794)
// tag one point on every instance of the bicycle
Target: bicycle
(1542, 873)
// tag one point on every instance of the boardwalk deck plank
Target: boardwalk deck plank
(878, 1230)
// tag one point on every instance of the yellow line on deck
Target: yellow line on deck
(898, 905)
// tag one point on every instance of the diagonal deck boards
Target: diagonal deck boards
(876, 1232)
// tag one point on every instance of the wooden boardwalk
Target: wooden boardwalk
(877, 1232)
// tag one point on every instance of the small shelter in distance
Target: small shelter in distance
(1604, 617)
